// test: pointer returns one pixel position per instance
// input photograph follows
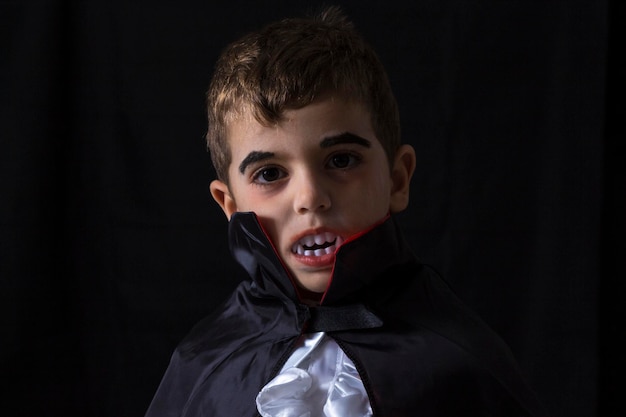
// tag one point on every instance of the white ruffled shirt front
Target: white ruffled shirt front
(318, 380)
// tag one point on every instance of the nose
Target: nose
(311, 194)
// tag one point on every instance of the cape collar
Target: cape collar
(358, 262)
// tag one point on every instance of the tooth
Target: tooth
(319, 252)
(308, 253)
(329, 237)
(319, 239)
(300, 250)
(308, 241)
(329, 250)
(339, 241)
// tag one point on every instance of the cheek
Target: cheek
(248, 199)
(378, 202)
(368, 200)
(264, 206)
(378, 188)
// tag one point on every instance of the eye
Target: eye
(267, 175)
(343, 160)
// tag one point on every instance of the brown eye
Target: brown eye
(267, 175)
(343, 160)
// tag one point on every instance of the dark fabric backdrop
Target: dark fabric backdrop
(111, 248)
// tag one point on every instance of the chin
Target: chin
(317, 289)
(316, 285)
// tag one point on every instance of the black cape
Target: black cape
(419, 350)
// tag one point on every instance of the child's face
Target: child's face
(314, 179)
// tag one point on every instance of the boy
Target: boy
(338, 317)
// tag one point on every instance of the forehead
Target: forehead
(330, 115)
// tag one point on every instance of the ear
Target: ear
(221, 194)
(401, 173)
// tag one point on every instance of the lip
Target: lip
(317, 262)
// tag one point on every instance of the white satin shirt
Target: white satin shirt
(318, 380)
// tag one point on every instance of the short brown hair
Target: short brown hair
(287, 65)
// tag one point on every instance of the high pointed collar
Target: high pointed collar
(358, 261)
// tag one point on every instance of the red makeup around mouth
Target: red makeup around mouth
(316, 249)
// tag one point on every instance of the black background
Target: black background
(111, 248)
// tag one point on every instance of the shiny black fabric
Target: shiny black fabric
(419, 350)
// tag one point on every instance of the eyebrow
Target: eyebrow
(254, 156)
(343, 138)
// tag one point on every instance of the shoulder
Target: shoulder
(438, 338)
(216, 350)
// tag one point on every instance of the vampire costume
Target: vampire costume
(417, 349)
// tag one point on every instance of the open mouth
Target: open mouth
(317, 245)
